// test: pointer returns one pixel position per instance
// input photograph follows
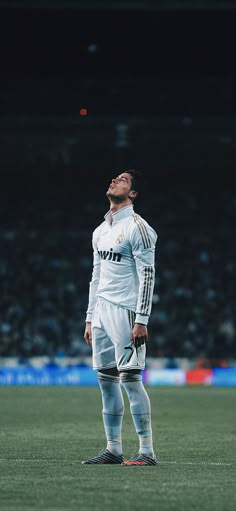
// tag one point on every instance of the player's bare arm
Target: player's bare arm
(88, 333)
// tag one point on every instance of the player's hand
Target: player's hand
(88, 333)
(139, 335)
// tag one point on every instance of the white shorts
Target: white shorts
(111, 338)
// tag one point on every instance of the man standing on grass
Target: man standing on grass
(119, 306)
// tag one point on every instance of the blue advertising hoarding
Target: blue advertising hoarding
(224, 376)
(86, 376)
(48, 376)
(165, 377)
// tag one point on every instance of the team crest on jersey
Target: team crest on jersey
(119, 239)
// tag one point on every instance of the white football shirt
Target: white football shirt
(123, 263)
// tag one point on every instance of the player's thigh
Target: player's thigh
(103, 351)
(119, 324)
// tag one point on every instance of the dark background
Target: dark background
(158, 82)
(169, 75)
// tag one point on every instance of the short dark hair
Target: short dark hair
(136, 180)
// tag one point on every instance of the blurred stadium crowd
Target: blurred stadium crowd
(46, 264)
(150, 104)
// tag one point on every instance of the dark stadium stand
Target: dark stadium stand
(45, 267)
(160, 96)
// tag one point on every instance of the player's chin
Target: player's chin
(110, 195)
(117, 199)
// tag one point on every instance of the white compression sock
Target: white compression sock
(140, 410)
(113, 410)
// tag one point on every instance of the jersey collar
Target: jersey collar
(113, 218)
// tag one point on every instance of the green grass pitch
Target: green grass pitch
(46, 431)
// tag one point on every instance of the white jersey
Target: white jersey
(123, 263)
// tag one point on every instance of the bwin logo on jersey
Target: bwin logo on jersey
(119, 239)
(109, 255)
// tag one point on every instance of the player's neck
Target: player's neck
(114, 207)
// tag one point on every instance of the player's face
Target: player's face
(120, 187)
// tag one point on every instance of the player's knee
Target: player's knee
(131, 381)
(112, 371)
(106, 379)
(130, 376)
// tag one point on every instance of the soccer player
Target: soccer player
(119, 306)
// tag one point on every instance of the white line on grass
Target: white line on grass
(39, 460)
(195, 463)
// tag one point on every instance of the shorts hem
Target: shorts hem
(124, 368)
(127, 368)
(105, 367)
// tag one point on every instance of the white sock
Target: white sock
(113, 410)
(140, 410)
